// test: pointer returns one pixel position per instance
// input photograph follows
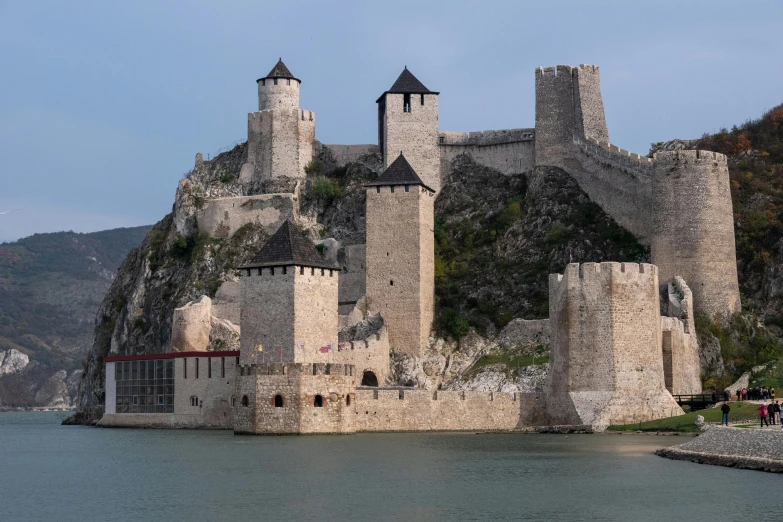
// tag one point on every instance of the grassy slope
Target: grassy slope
(687, 422)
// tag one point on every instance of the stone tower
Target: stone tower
(568, 104)
(606, 358)
(280, 135)
(408, 124)
(286, 383)
(401, 254)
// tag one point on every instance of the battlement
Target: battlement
(676, 157)
(613, 156)
(486, 138)
(306, 115)
(602, 273)
(297, 369)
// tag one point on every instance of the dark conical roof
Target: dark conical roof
(280, 71)
(407, 83)
(287, 247)
(399, 172)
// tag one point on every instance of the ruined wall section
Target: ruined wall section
(605, 355)
(694, 228)
(509, 151)
(344, 154)
(222, 217)
(394, 409)
(414, 133)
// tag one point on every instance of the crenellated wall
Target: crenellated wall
(509, 151)
(605, 356)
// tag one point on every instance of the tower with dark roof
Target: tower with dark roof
(280, 134)
(408, 124)
(401, 254)
(289, 301)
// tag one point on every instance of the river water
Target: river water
(53, 472)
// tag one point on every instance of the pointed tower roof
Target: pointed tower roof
(287, 247)
(407, 83)
(280, 71)
(399, 172)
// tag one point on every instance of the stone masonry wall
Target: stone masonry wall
(190, 326)
(424, 410)
(280, 142)
(282, 93)
(222, 217)
(315, 315)
(400, 263)
(606, 364)
(267, 314)
(415, 134)
(509, 151)
(344, 154)
(353, 275)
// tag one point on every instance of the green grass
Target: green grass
(687, 423)
(512, 362)
(772, 376)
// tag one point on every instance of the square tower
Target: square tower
(401, 255)
(280, 135)
(288, 302)
(408, 124)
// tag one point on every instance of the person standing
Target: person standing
(744, 394)
(771, 413)
(725, 409)
(777, 412)
(763, 415)
(772, 393)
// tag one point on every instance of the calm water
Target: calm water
(53, 472)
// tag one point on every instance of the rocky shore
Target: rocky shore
(745, 448)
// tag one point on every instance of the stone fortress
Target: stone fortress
(315, 337)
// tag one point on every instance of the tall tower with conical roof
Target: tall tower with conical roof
(401, 254)
(408, 124)
(280, 135)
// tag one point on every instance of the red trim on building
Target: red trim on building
(175, 355)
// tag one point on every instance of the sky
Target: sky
(103, 105)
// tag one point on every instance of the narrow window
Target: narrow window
(391, 283)
(245, 402)
(278, 401)
(222, 367)
(160, 400)
(422, 99)
(209, 368)
(263, 82)
(185, 368)
(275, 80)
(406, 102)
(322, 271)
(407, 188)
(348, 399)
(301, 270)
(378, 190)
(312, 271)
(402, 394)
(248, 271)
(441, 139)
(233, 401)
(193, 400)
(288, 82)
(237, 360)
(392, 189)
(284, 270)
(196, 367)
(272, 271)
(318, 402)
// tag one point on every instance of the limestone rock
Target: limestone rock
(13, 361)
(700, 422)
(224, 335)
(523, 331)
(191, 326)
(54, 392)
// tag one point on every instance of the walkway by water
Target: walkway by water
(53, 472)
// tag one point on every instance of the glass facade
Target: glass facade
(145, 386)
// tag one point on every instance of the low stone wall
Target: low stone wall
(222, 217)
(344, 154)
(756, 449)
(397, 409)
(165, 420)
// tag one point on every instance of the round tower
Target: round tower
(278, 89)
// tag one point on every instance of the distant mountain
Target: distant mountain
(51, 286)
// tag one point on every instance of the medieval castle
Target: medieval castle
(614, 357)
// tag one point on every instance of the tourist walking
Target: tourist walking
(776, 407)
(771, 413)
(725, 409)
(763, 415)
(772, 393)
(739, 394)
(744, 394)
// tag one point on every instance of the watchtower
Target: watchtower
(280, 135)
(408, 124)
(286, 383)
(401, 254)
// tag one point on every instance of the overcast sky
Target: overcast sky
(103, 105)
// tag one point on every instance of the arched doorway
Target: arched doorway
(369, 378)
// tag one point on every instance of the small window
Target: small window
(135, 400)
(263, 82)
(185, 368)
(318, 402)
(347, 399)
(160, 400)
(378, 190)
(223, 368)
(245, 402)
(193, 400)
(237, 360)
(197, 368)
(422, 99)
(407, 188)
(391, 283)
(285, 270)
(275, 80)
(233, 401)
(288, 82)
(278, 401)
(406, 102)
(312, 271)
(301, 270)
(441, 139)
(322, 271)
(248, 271)
(392, 189)
(402, 394)
(272, 271)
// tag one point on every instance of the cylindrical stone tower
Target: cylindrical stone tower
(278, 89)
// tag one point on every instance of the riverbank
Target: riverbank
(750, 448)
(741, 412)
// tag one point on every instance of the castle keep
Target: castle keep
(297, 362)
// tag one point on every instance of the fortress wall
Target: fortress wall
(353, 275)
(606, 362)
(280, 142)
(694, 228)
(222, 217)
(226, 303)
(315, 314)
(267, 314)
(589, 105)
(305, 141)
(344, 154)
(280, 93)
(507, 158)
(423, 410)
(681, 367)
(414, 133)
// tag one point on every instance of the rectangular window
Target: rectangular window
(222, 367)
(185, 368)
(407, 188)
(378, 190)
(422, 99)
(301, 270)
(275, 80)
(248, 271)
(272, 271)
(392, 189)
(209, 368)
(237, 360)
(146, 380)
(263, 82)
(285, 271)
(322, 271)
(406, 102)
(196, 367)
(288, 81)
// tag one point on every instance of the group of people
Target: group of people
(755, 394)
(769, 411)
